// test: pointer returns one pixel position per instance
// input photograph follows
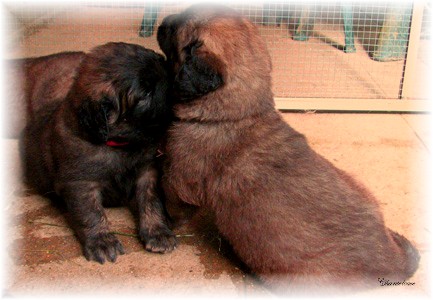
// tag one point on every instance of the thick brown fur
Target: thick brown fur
(297, 221)
(33, 83)
(97, 146)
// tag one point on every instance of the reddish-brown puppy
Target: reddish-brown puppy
(297, 221)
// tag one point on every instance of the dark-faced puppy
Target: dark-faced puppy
(297, 221)
(97, 147)
(34, 83)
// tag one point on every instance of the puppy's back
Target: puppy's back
(32, 83)
(311, 224)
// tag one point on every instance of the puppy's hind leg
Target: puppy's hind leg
(148, 207)
(179, 211)
(84, 202)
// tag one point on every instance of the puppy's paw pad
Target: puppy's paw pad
(104, 246)
(162, 242)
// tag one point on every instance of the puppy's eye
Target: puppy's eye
(145, 97)
(192, 47)
(107, 107)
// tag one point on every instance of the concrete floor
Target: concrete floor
(389, 153)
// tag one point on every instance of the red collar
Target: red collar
(111, 143)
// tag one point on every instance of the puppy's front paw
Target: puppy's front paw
(159, 241)
(103, 246)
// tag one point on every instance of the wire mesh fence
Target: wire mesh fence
(319, 49)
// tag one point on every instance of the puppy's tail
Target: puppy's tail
(411, 254)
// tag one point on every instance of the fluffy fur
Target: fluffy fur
(96, 147)
(34, 83)
(297, 221)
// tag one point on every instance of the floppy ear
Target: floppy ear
(92, 116)
(165, 35)
(198, 75)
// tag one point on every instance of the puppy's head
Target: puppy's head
(120, 95)
(213, 50)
